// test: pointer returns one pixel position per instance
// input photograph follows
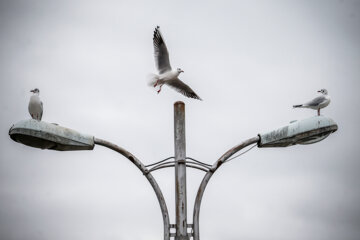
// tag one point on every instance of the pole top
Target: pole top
(179, 103)
(179, 106)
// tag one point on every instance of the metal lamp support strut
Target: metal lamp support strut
(150, 178)
(180, 164)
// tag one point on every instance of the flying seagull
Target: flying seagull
(166, 74)
(318, 102)
(35, 105)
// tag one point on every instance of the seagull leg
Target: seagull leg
(159, 89)
(156, 83)
(318, 111)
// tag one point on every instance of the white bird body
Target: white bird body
(318, 102)
(35, 105)
(167, 75)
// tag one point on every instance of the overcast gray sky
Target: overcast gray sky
(249, 60)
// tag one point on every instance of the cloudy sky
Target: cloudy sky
(249, 60)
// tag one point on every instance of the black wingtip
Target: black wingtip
(157, 38)
(194, 96)
(157, 30)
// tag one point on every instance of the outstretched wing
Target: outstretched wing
(161, 54)
(316, 101)
(182, 88)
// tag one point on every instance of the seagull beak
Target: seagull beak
(182, 71)
(32, 91)
(319, 91)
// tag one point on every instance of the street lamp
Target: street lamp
(40, 134)
(45, 135)
(51, 136)
(306, 131)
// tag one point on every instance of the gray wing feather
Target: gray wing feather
(161, 54)
(42, 110)
(182, 88)
(316, 101)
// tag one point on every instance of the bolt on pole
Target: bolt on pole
(180, 172)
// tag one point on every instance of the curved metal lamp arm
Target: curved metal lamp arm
(149, 177)
(207, 177)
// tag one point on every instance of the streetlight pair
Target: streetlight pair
(45, 135)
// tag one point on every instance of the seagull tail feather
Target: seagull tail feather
(297, 106)
(152, 79)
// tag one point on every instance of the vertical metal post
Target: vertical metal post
(180, 172)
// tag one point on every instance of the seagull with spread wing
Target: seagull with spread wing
(318, 102)
(35, 105)
(166, 74)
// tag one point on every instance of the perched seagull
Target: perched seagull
(318, 102)
(166, 75)
(35, 105)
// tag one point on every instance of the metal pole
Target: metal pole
(149, 177)
(207, 177)
(180, 172)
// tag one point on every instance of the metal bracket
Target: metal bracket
(189, 226)
(181, 161)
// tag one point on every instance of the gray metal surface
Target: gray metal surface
(180, 172)
(206, 179)
(40, 134)
(150, 178)
(304, 131)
